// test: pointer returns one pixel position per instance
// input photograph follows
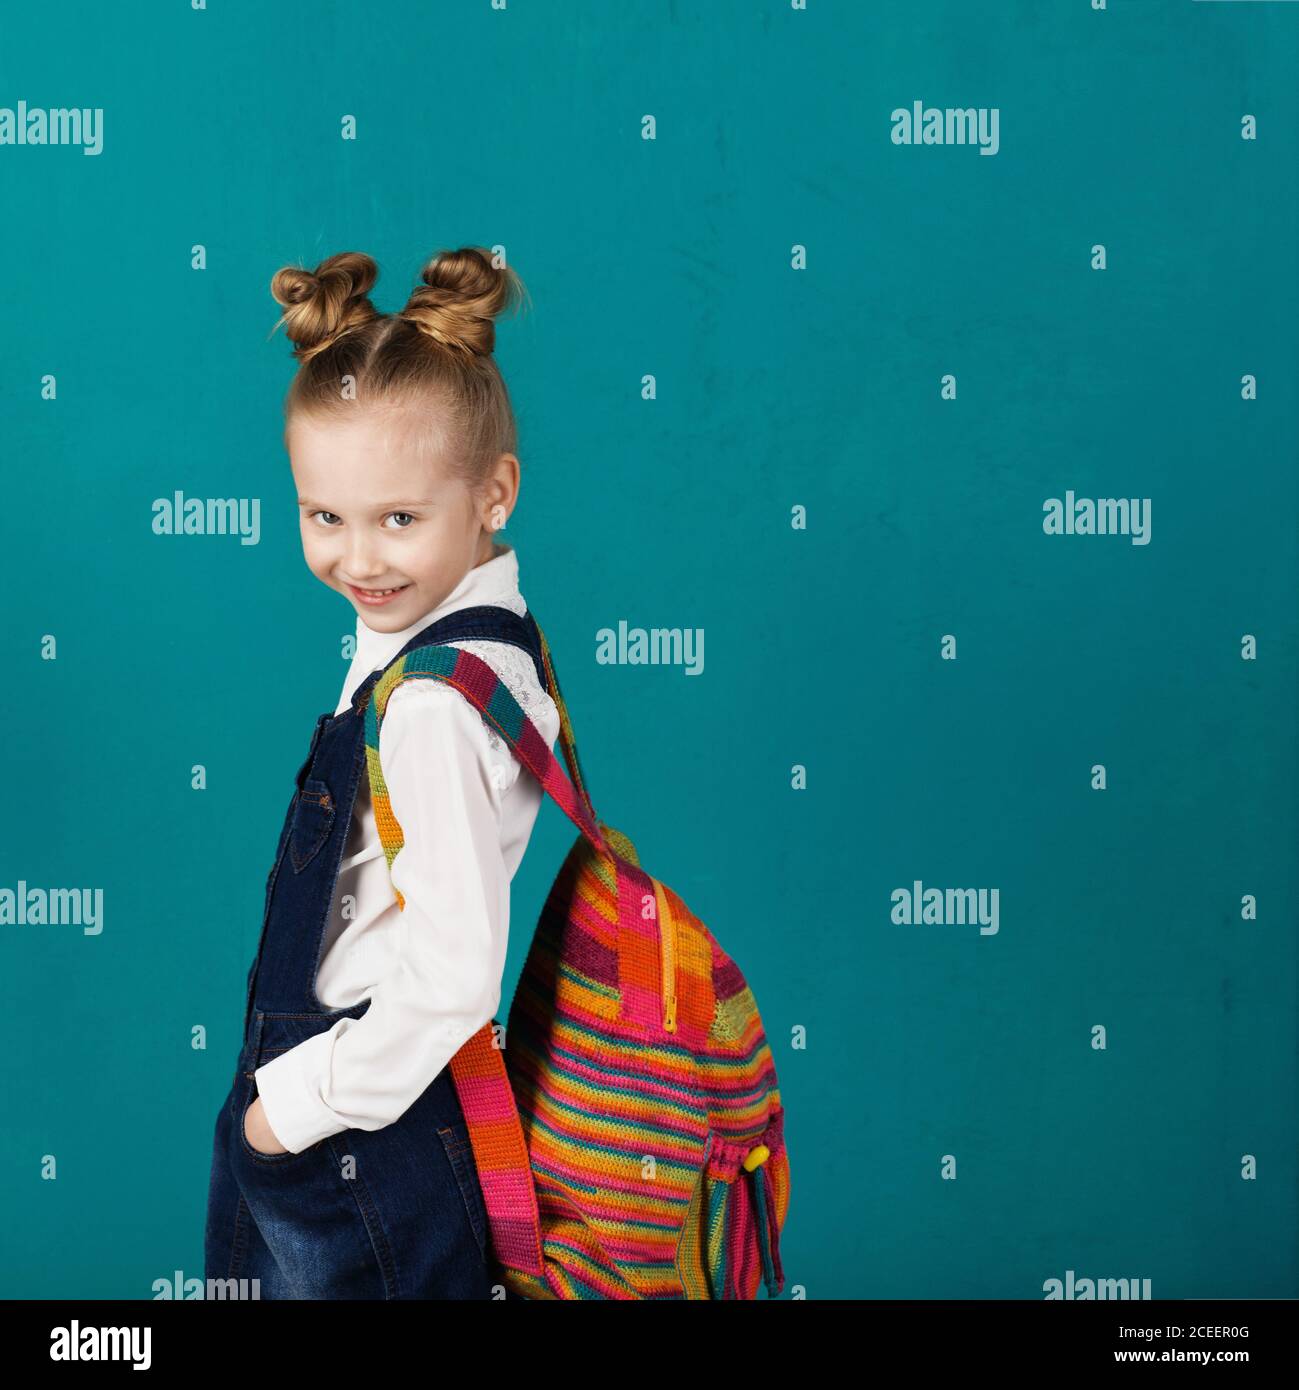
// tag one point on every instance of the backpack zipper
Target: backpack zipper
(667, 959)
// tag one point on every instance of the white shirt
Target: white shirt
(433, 972)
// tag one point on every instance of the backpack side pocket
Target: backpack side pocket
(730, 1240)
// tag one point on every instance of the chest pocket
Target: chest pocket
(313, 819)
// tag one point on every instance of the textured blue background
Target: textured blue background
(776, 388)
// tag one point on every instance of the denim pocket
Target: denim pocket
(313, 819)
(460, 1154)
(247, 1095)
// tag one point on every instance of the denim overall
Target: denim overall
(395, 1212)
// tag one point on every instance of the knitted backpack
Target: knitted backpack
(627, 1128)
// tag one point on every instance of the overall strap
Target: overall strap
(483, 622)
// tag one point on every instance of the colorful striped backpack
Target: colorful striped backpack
(628, 1128)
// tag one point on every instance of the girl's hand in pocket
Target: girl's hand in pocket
(258, 1133)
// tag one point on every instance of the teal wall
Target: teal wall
(777, 388)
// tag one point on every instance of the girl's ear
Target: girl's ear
(498, 493)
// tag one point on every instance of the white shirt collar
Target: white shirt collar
(495, 581)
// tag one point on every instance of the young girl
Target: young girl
(341, 1162)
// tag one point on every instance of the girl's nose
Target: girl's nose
(362, 564)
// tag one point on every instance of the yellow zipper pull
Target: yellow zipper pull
(667, 958)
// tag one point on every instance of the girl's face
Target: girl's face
(376, 514)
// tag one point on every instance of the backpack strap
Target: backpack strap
(567, 744)
(491, 697)
(489, 622)
(478, 1069)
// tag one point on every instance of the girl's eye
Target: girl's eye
(329, 518)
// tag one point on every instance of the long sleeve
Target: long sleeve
(444, 979)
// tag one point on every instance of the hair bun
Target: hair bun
(322, 304)
(462, 294)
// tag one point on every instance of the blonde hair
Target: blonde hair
(432, 360)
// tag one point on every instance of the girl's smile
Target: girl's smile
(376, 598)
